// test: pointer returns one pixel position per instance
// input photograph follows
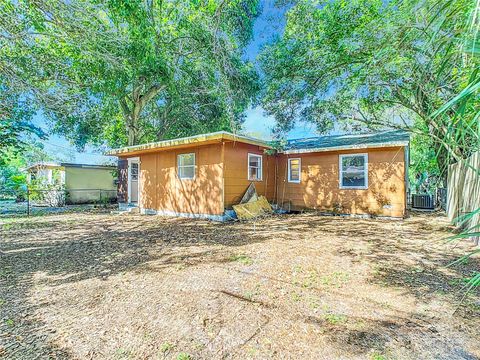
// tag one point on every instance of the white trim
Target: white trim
(340, 171)
(346, 147)
(194, 166)
(129, 183)
(299, 170)
(261, 166)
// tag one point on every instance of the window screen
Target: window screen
(354, 171)
(186, 166)
(254, 167)
(134, 171)
(294, 170)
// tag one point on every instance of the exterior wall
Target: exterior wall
(236, 172)
(164, 192)
(122, 187)
(85, 184)
(319, 187)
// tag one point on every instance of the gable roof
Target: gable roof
(214, 137)
(345, 142)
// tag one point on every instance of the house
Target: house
(203, 175)
(83, 183)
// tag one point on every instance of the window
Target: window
(294, 170)
(254, 167)
(354, 171)
(186, 166)
(134, 171)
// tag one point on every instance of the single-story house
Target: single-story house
(203, 175)
(82, 183)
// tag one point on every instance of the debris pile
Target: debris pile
(252, 206)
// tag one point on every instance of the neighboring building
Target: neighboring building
(201, 176)
(83, 183)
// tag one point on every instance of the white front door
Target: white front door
(133, 180)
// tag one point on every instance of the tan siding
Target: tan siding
(148, 178)
(161, 189)
(236, 172)
(221, 180)
(319, 186)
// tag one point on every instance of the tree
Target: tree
(464, 113)
(15, 122)
(116, 70)
(13, 163)
(368, 64)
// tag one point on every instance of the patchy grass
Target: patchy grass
(241, 258)
(184, 356)
(335, 319)
(92, 285)
(166, 347)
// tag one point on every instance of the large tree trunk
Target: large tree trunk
(133, 133)
(132, 107)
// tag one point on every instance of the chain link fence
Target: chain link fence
(40, 201)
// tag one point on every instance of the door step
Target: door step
(126, 209)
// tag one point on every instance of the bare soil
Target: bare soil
(101, 286)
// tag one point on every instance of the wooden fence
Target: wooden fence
(463, 195)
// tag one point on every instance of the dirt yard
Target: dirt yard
(101, 286)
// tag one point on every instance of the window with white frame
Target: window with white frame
(353, 171)
(294, 170)
(134, 171)
(186, 166)
(254, 167)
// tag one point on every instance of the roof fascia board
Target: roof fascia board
(346, 147)
(186, 141)
(88, 166)
(43, 165)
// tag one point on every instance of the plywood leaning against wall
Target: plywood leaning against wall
(463, 192)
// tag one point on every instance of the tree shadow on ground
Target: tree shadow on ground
(69, 250)
(407, 255)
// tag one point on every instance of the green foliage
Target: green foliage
(335, 319)
(370, 64)
(15, 121)
(183, 356)
(129, 72)
(13, 161)
(463, 111)
(166, 347)
(242, 258)
(424, 173)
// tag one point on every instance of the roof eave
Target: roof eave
(186, 142)
(346, 147)
(43, 165)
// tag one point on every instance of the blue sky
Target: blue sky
(269, 24)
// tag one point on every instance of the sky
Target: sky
(268, 25)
